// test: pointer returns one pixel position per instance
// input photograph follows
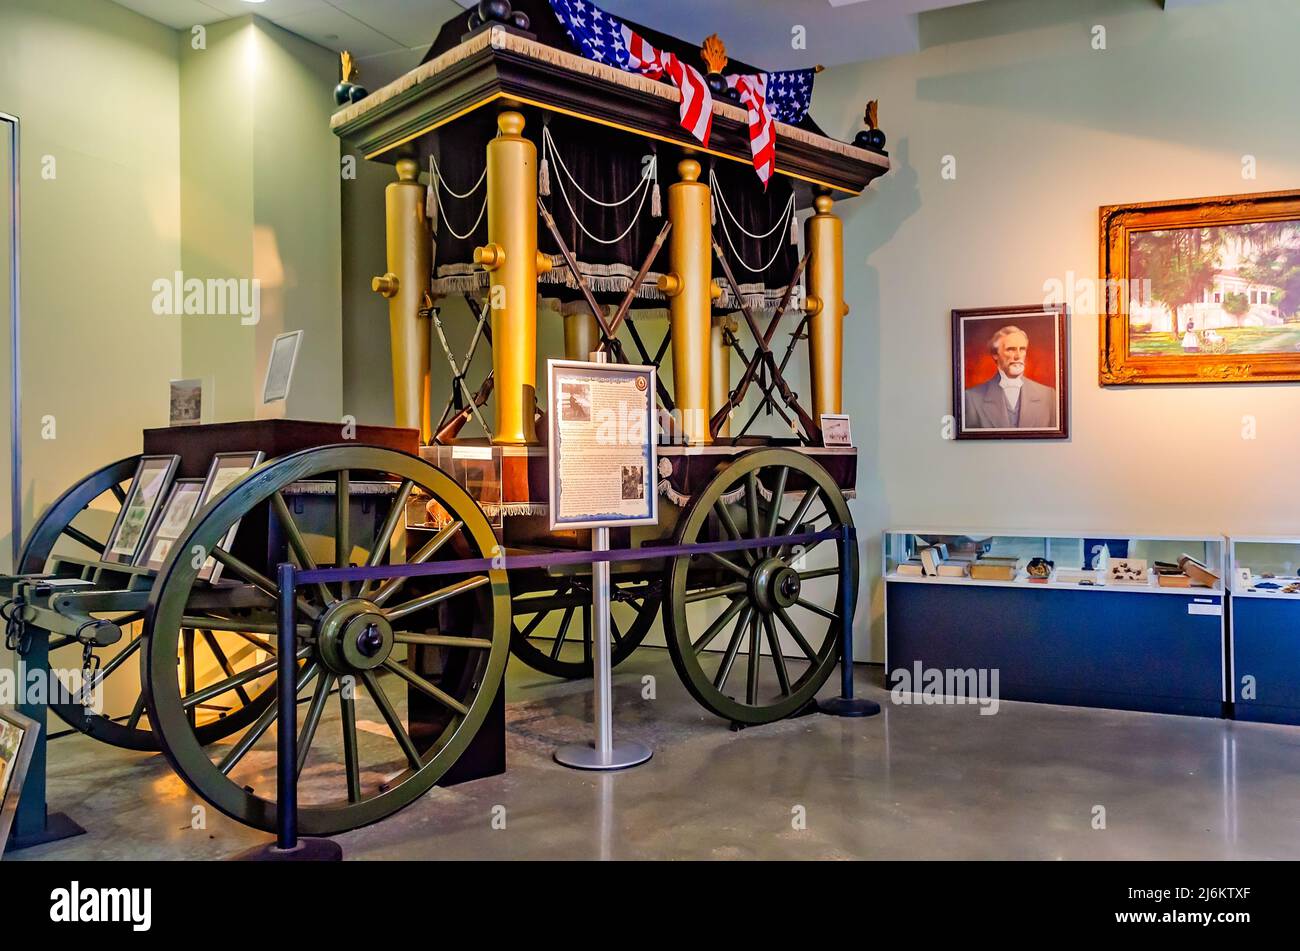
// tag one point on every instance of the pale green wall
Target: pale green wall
(1044, 130)
(260, 199)
(96, 88)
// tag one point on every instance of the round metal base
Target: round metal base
(307, 850)
(625, 754)
(848, 707)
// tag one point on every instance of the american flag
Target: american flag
(783, 97)
(606, 39)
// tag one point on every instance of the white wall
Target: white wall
(1045, 129)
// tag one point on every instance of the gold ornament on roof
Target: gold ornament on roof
(872, 116)
(350, 71)
(714, 53)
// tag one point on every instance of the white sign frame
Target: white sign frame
(276, 360)
(555, 370)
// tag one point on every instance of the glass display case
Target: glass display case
(1150, 563)
(1265, 567)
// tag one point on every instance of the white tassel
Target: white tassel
(656, 203)
(794, 227)
(713, 209)
(544, 177)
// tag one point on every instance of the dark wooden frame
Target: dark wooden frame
(1062, 313)
(18, 779)
(173, 463)
(1117, 367)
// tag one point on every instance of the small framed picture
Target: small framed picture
(186, 403)
(226, 468)
(182, 502)
(152, 476)
(279, 368)
(836, 430)
(18, 736)
(1010, 372)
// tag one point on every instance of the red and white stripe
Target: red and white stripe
(752, 91)
(697, 101)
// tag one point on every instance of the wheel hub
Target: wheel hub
(774, 584)
(354, 635)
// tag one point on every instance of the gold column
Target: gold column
(720, 366)
(581, 336)
(405, 286)
(690, 291)
(826, 308)
(513, 261)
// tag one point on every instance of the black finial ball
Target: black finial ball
(717, 84)
(494, 11)
(872, 139)
(519, 20)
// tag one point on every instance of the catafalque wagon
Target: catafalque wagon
(397, 673)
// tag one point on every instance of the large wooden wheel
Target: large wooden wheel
(551, 630)
(776, 611)
(373, 652)
(74, 527)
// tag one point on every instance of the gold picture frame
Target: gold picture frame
(1201, 291)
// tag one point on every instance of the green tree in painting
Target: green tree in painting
(1237, 305)
(1179, 264)
(1276, 261)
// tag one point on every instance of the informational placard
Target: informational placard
(602, 444)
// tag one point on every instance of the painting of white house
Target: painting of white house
(1231, 289)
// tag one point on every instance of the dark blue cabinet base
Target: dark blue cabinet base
(1123, 650)
(1266, 649)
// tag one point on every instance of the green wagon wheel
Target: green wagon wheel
(453, 630)
(76, 526)
(754, 633)
(551, 628)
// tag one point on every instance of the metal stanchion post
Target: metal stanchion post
(604, 753)
(288, 847)
(846, 705)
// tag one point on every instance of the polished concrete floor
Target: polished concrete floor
(1032, 781)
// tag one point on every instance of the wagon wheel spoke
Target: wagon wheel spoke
(259, 580)
(729, 524)
(425, 687)
(558, 643)
(297, 543)
(817, 609)
(260, 726)
(312, 721)
(831, 572)
(727, 563)
(796, 634)
(385, 537)
(122, 657)
(797, 519)
(722, 591)
(390, 716)
(614, 629)
(118, 493)
(137, 712)
(755, 654)
(751, 507)
(729, 657)
(425, 552)
(778, 659)
(441, 640)
(714, 629)
(435, 597)
(224, 662)
(348, 717)
(204, 694)
(78, 535)
(343, 526)
(774, 507)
